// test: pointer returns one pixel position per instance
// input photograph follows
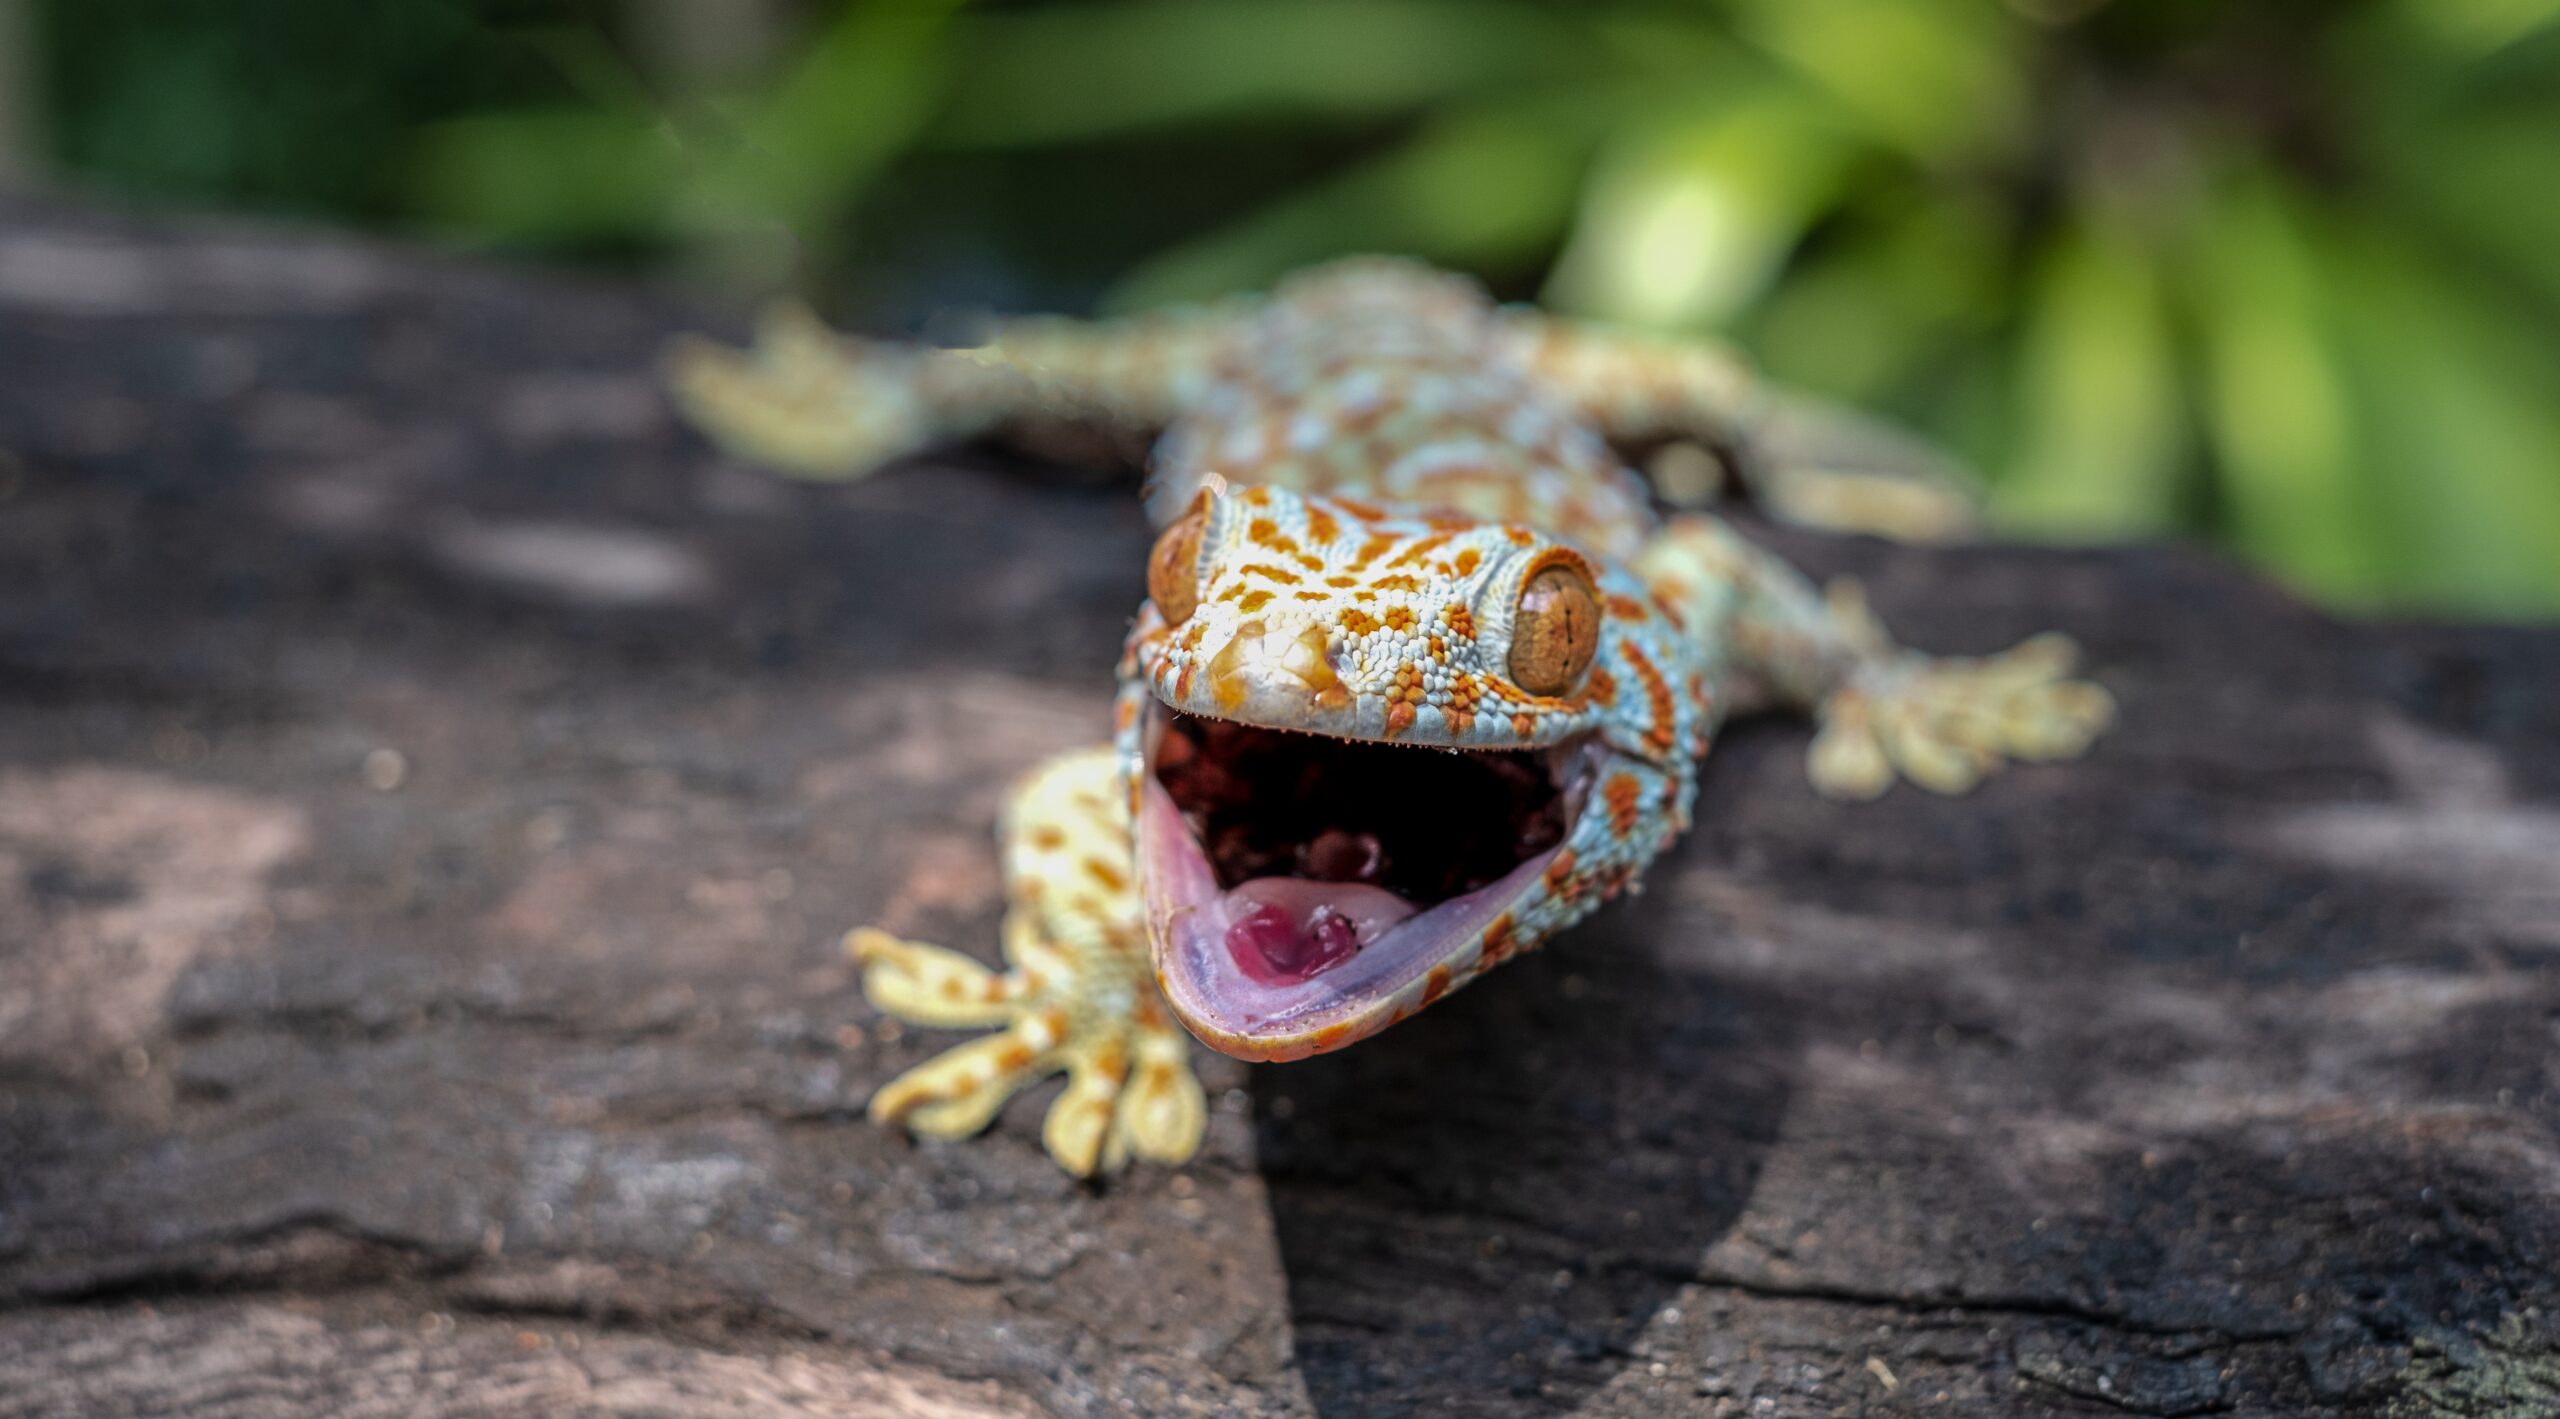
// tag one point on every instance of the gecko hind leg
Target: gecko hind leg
(807, 400)
(1805, 460)
(1078, 996)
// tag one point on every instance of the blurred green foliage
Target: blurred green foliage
(2281, 272)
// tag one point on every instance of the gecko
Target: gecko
(1423, 676)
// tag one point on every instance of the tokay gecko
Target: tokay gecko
(1422, 677)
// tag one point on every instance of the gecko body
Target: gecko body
(1422, 677)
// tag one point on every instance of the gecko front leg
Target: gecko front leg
(1079, 995)
(1882, 710)
(1944, 722)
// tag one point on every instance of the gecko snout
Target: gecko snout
(1262, 672)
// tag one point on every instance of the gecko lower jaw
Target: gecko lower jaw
(1300, 889)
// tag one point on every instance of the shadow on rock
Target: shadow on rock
(1479, 1210)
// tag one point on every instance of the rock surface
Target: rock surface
(432, 787)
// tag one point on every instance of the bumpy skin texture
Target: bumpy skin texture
(1335, 616)
(1379, 459)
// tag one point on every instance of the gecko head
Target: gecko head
(1379, 751)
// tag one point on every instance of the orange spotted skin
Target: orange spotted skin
(1381, 458)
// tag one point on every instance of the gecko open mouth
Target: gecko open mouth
(1294, 879)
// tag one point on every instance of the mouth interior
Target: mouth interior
(1322, 846)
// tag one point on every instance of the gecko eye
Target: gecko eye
(1173, 568)
(1556, 631)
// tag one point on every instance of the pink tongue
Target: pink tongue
(1286, 929)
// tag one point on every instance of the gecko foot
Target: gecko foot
(1079, 995)
(1945, 723)
(1130, 1090)
(803, 400)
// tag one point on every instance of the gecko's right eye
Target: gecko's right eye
(1556, 630)
(1173, 568)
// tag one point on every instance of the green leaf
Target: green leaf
(2488, 183)
(2460, 404)
(2475, 29)
(854, 101)
(1077, 73)
(1934, 78)
(2278, 409)
(1687, 222)
(561, 175)
(2099, 422)
(1476, 192)
(793, 154)
(1870, 315)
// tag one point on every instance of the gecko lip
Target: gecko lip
(1300, 888)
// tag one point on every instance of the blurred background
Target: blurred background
(2279, 274)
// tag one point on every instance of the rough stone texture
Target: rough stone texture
(432, 787)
